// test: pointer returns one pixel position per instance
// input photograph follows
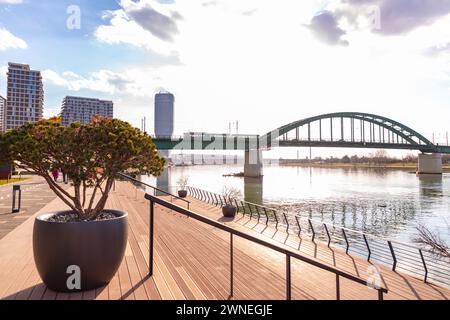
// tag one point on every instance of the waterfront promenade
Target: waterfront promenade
(35, 195)
(192, 262)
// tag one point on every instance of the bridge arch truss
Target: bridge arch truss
(360, 130)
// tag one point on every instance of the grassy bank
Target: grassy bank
(402, 166)
(3, 182)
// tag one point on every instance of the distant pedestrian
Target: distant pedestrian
(64, 176)
(55, 173)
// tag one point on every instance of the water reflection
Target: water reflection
(387, 203)
(253, 190)
(431, 185)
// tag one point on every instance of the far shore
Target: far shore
(399, 166)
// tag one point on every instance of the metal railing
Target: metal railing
(419, 262)
(233, 232)
(172, 196)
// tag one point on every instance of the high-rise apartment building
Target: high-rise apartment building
(79, 109)
(25, 95)
(2, 113)
(164, 114)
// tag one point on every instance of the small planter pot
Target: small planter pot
(182, 193)
(229, 211)
(91, 251)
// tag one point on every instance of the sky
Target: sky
(259, 62)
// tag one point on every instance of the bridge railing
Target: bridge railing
(419, 262)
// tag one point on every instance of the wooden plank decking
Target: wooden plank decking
(192, 262)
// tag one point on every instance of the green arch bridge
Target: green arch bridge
(340, 129)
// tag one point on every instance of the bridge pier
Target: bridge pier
(429, 163)
(253, 166)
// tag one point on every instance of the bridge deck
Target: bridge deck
(192, 262)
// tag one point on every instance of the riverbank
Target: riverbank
(399, 166)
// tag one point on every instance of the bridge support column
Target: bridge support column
(429, 163)
(253, 166)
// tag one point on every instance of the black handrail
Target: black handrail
(233, 232)
(155, 188)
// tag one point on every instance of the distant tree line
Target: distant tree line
(377, 157)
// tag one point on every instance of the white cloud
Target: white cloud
(132, 82)
(146, 24)
(10, 41)
(267, 66)
(11, 1)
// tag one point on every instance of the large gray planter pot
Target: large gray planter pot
(91, 251)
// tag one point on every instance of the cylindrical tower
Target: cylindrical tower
(164, 114)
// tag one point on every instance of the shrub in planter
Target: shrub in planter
(182, 184)
(81, 248)
(230, 195)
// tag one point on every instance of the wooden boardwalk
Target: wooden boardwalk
(192, 262)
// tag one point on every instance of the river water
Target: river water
(384, 203)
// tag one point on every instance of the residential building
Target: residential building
(25, 95)
(2, 113)
(79, 109)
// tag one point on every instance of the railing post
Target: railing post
(231, 267)
(257, 211)
(346, 240)
(312, 229)
(328, 235)
(338, 288)
(267, 216)
(217, 200)
(394, 265)
(151, 236)
(368, 248)
(243, 208)
(299, 226)
(276, 219)
(380, 295)
(237, 205)
(424, 266)
(288, 277)
(287, 221)
(250, 208)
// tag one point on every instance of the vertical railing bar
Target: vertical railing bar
(231, 266)
(237, 205)
(267, 216)
(243, 208)
(287, 221)
(338, 288)
(209, 197)
(380, 295)
(424, 266)
(394, 264)
(299, 227)
(312, 229)
(276, 219)
(257, 212)
(288, 277)
(250, 208)
(151, 236)
(368, 248)
(328, 234)
(346, 240)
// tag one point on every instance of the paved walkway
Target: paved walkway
(35, 195)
